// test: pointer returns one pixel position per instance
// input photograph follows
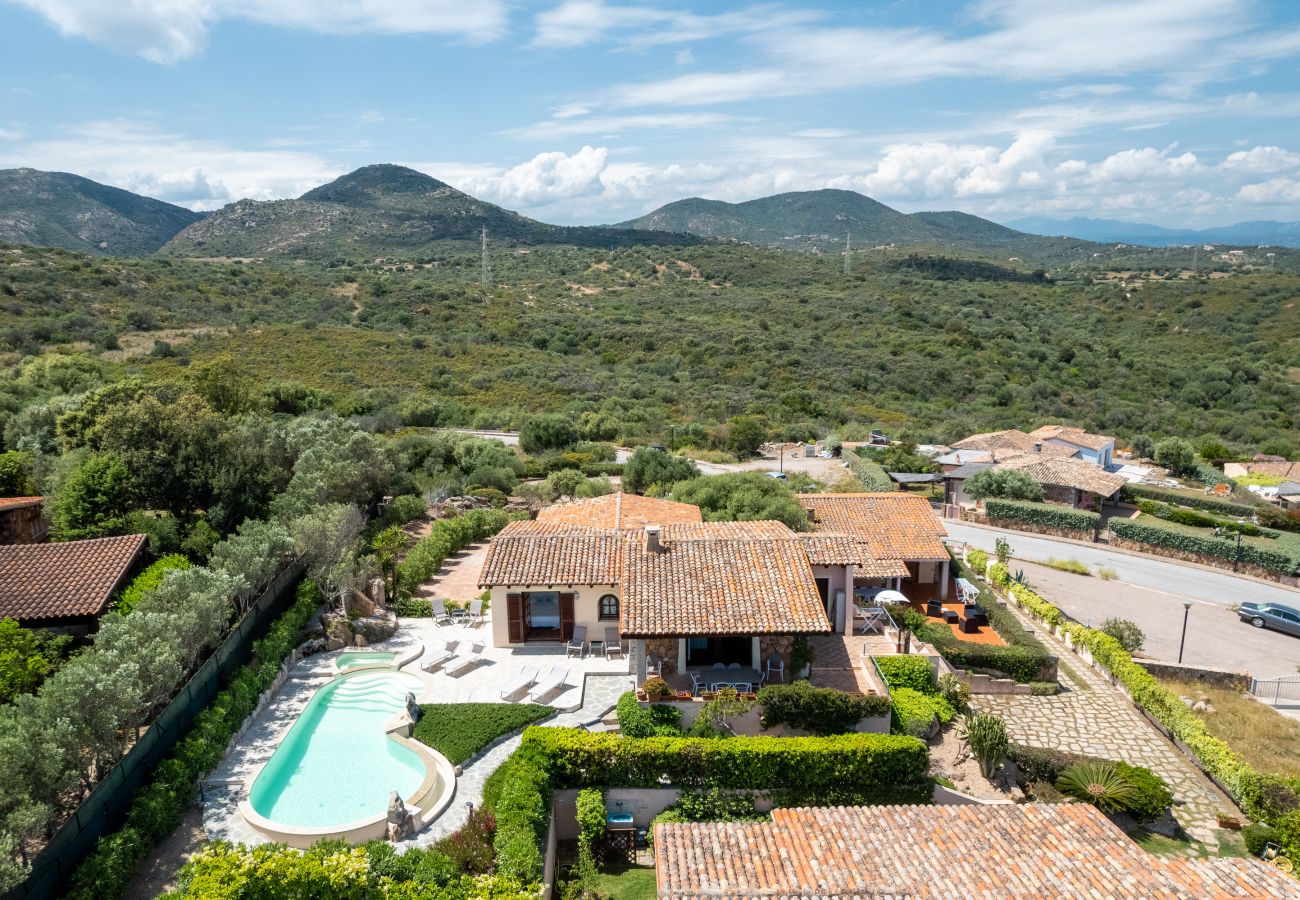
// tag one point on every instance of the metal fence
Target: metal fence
(1284, 691)
(105, 808)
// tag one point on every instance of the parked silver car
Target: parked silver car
(1271, 615)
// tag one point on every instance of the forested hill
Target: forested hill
(55, 209)
(380, 210)
(820, 220)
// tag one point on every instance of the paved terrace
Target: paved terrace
(594, 687)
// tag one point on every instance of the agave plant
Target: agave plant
(1099, 784)
(986, 736)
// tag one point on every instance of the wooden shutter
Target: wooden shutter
(515, 618)
(566, 616)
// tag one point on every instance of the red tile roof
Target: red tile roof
(722, 578)
(620, 510)
(1065, 472)
(895, 525)
(1067, 850)
(64, 580)
(826, 549)
(542, 553)
(8, 503)
(1072, 435)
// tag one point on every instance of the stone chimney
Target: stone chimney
(1038, 446)
(652, 542)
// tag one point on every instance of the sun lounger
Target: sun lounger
(465, 660)
(527, 678)
(440, 652)
(552, 682)
(612, 644)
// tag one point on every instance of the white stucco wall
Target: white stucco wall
(586, 608)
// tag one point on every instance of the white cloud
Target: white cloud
(167, 31)
(576, 23)
(567, 124)
(545, 179)
(10, 134)
(1273, 191)
(198, 174)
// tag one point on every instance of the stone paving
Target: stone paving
(1094, 717)
(592, 688)
(458, 578)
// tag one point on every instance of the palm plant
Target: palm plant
(986, 735)
(1100, 784)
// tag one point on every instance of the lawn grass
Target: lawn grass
(459, 730)
(1072, 566)
(631, 883)
(1231, 843)
(1265, 738)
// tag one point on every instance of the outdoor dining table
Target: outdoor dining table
(743, 679)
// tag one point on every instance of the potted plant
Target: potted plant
(657, 690)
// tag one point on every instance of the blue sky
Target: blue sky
(1177, 112)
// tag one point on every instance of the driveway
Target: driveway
(1216, 638)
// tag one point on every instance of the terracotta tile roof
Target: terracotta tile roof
(1073, 435)
(1011, 441)
(526, 553)
(1072, 473)
(1067, 850)
(64, 580)
(826, 549)
(620, 510)
(8, 503)
(895, 525)
(724, 578)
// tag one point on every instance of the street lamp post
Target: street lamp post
(1236, 560)
(1187, 607)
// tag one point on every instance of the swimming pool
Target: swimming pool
(345, 661)
(334, 771)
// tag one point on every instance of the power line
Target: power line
(487, 261)
(848, 252)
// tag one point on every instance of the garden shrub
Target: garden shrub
(1257, 836)
(405, 508)
(413, 607)
(1099, 784)
(708, 806)
(1132, 492)
(908, 672)
(1278, 561)
(986, 735)
(27, 657)
(914, 712)
(445, 538)
(657, 719)
(871, 474)
(149, 579)
(850, 768)
(519, 794)
(1128, 634)
(978, 560)
(1044, 765)
(1049, 515)
(1184, 516)
(819, 710)
(460, 730)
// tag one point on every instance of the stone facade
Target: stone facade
(666, 650)
(778, 644)
(23, 525)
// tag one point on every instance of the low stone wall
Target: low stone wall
(1220, 678)
(1215, 561)
(988, 685)
(981, 518)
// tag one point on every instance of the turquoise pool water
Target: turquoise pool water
(336, 765)
(347, 661)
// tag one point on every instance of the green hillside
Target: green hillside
(55, 209)
(378, 210)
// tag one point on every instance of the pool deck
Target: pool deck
(596, 684)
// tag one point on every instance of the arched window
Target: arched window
(609, 607)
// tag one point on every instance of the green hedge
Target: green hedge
(914, 712)
(819, 710)
(1183, 516)
(1133, 492)
(157, 809)
(518, 793)
(912, 672)
(445, 538)
(460, 730)
(979, 560)
(1269, 798)
(657, 719)
(149, 579)
(844, 769)
(1049, 515)
(1204, 545)
(870, 473)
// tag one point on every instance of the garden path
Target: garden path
(1094, 717)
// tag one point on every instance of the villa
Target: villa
(23, 521)
(66, 585)
(1064, 441)
(1067, 850)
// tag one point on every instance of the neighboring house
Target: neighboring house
(1003, 444)
(22, 520)
(65, 585)
(902, 538)
(1067, 850)
(1098, 449)
(1080, 484)
(1289, 471)
(620, 510)
(954, 483)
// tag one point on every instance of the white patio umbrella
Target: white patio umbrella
(890, 597)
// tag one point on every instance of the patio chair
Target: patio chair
(554, 679)
(527, 678)
(652, 666)
(440, 652)
(475, 612)
(612, 643)
(696, 684)
(577, 642)
(734, 666)
(440, 614)
(934, 609)
(719, 665)
(775, 666)
(465, 660)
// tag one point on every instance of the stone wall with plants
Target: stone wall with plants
(1269, 798)
(1049, 518)
(1134, 492)
(1203, 548)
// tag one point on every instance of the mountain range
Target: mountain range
(56, 209)
(1273, 234)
